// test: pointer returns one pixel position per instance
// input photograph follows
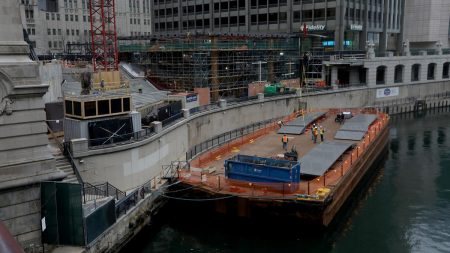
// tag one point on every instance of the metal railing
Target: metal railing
(171, 120)
(89, 191)
(226, 137)
(168, 172)
(315, 89)
(99, 143)
(204, 108)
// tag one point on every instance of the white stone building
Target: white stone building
(68, 21)
(427, 22)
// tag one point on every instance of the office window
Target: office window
(47, 16)
(59, 32)
(53, 16)
(54, 31)
(50, 44)
(58, 17)
(49, 31)
(76, 18)
(68, 32)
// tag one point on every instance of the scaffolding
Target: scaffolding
(225, 64)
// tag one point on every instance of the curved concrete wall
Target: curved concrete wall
(131, 165)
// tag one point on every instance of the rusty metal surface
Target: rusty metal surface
(7, 242)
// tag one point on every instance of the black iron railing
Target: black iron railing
(226, 137)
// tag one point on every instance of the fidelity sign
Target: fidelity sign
(312, 28)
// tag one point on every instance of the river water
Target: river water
(405, 208)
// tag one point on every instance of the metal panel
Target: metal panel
(101, 219)
(355, 126)
(317, 161)
(308, 119)
(61, 206)
(349, 135)
(291, 130)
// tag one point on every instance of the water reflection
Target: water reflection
(405, 208)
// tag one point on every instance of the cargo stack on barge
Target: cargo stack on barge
(312, 181)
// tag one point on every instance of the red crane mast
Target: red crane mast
(104, 35)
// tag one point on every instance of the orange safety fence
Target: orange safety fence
(310, 189)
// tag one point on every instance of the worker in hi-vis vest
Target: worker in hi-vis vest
(284, 140)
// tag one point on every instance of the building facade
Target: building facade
(52, 24)
(432, 23)
(344, 24)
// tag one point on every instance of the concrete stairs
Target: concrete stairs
(63, 164)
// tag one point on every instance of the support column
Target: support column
(214, 69)
(260, 96)
(186, 113)
(383, 35)
(334, 77)
(157, 126)
(270, 62)
(222, 103)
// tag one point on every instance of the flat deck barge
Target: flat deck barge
(330, 170)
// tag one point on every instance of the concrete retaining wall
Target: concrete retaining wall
(131, 165)
(366, 96)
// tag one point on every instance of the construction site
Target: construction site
(225, 64)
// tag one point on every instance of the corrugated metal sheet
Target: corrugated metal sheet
(291, 130)
(298, 125)
(322, 157)
(308, 119)
(356, 127)
(136, 121)
(349, 135)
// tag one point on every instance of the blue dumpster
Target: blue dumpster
(261, 169)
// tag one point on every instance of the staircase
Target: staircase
(63, 164)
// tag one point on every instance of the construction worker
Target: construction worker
(316, 133)
(321, 132)
(312, 131)
(285, 141)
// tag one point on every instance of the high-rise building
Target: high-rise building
(52, 24)
(343, 24)
(431, 21)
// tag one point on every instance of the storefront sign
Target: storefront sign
(191, 98)
(388, 92)
(354, 27)
(312, 28)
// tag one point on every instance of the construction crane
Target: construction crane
(104, 44)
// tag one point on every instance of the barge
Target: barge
(254, 176)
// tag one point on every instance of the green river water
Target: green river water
(404, 208)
